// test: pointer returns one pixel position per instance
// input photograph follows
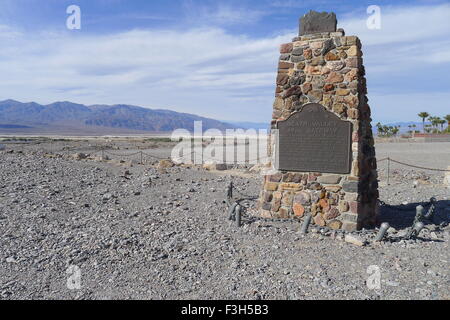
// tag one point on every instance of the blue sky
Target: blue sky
(214, 58)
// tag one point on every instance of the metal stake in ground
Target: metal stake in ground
(383, 229)
(305, 224)
(388, 170)
(229, 195)
(232, 211)
(419, 214)
(430, 212)
(230, 191)
(238, 215)
(415, 231)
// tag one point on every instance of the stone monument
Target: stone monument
(321, 146)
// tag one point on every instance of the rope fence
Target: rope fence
(142, 154)
(412, 166)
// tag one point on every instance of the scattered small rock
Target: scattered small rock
(349, 238)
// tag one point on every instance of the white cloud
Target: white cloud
(7, 32)
(408, 35)
(204, 71)
(214, 73)
(221, 14)
(407, 58)
(228, 15)
(403, 25)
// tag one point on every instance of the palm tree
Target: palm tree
(441, 123)
(447, 117)
(395, 130)
(423, 115)
(436, 122)
(380, 129)
(432, 121)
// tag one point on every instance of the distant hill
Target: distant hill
(71, 117)
(251, 125)
(406, 124)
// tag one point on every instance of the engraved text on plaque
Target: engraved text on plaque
(314, 140)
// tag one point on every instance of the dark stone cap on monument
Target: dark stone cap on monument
(317, 22)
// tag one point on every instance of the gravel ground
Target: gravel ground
(138, 232)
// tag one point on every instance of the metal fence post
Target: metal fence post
(231, 212)
(383, 228)
(431, 210)
(419, 214)
(305, 224)
(415, 230)
(388, 170)
(238, 215)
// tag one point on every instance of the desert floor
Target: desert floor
(144, 232)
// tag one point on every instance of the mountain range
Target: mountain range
(72, 118)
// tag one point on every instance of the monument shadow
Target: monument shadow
(402, 216)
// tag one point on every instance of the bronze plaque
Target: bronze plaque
(314, 140)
